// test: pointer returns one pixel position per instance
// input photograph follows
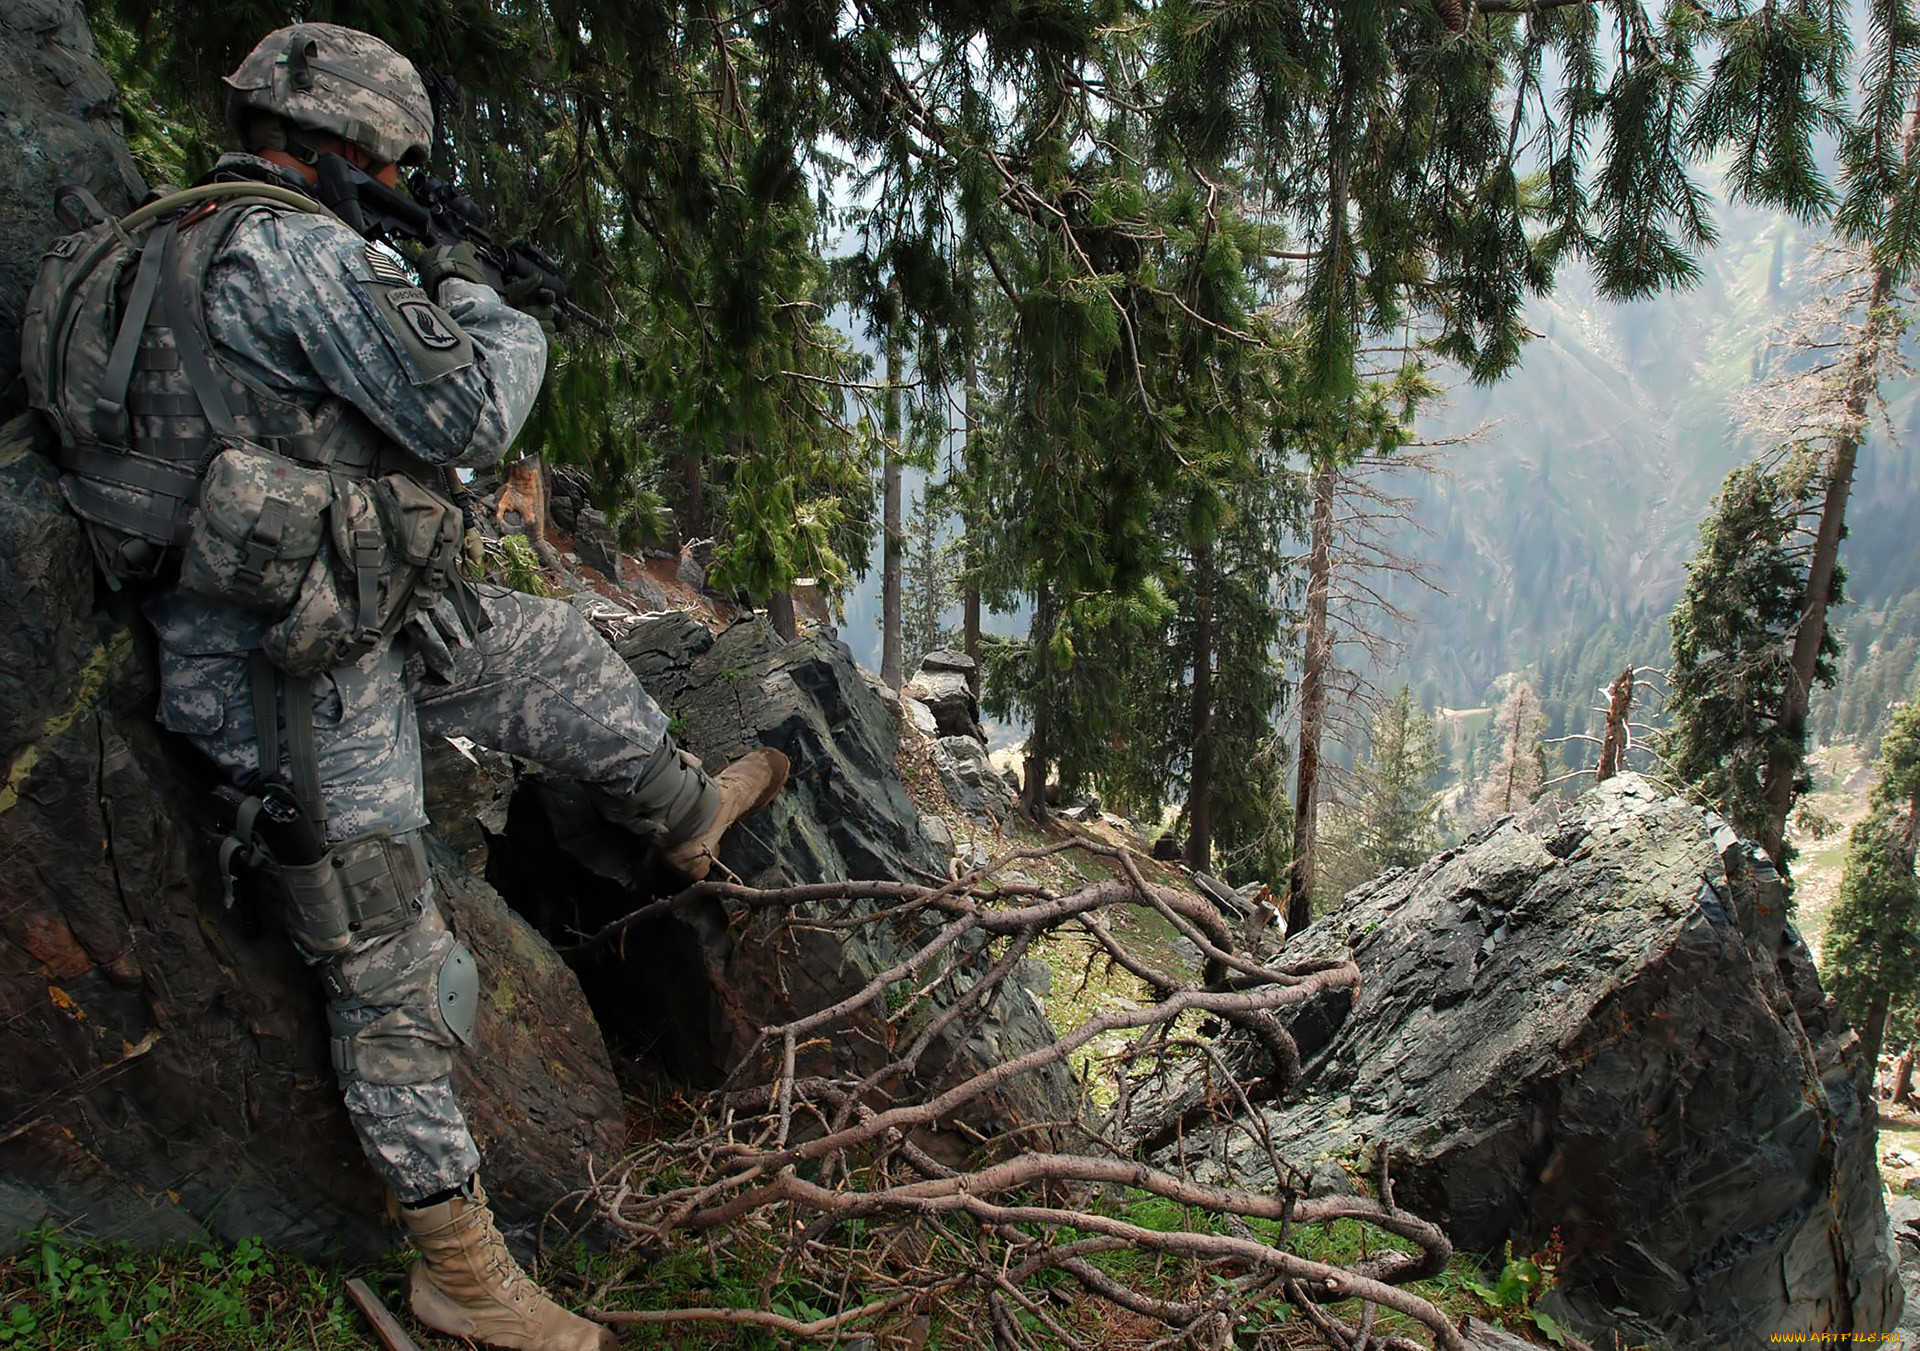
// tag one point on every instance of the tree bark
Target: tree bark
(1200, 779)
(780, 614)
(894, 547)
(970, 621)
(1903, 1079)
(1873, 1031)
(1613, 744)
(1033, 794)
(691, 513)
(1314, 670)
(1863, 383)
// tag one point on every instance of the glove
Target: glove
(444, 262)
(533, 298)
(474, 550)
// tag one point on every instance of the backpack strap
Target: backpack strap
(183, 317)
(112, 400)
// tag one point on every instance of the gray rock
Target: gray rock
(167, 1067)
(62, 126)
(945, 659)
(944, 690)
(971, 781)
(692, 571)
(1327, 1178)
(1036, 976)
(597, 544)
(970, 858)
(921, 718)
(1604, 1029)
(939, 832)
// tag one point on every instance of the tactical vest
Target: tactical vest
(169, 453)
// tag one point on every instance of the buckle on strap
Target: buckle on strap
(263, 542)
(340, 1052)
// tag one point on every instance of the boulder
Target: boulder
(1604, 1030)
(970, 780)
(596, 543)
(168, 1076)
(941, 684)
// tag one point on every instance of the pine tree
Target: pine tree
(1518, 771)
(1389, 819)
(1733, 637)
(932, 579)
(1872, 958)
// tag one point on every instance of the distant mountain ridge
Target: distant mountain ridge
(1561, 539)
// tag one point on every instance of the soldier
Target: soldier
(324, 351)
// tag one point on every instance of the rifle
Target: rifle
(435, 211)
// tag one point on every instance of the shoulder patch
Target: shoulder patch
(431, 342)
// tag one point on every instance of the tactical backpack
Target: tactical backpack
(169, 457)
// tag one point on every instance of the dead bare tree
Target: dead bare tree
(1619, 734)
(837, 1183)
(1352, 563)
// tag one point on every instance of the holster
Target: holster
(360, 889)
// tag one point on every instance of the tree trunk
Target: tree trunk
(1200, 780)
(1513, 757)
(780, 614)
(1315, 667)
(1863, 383)
(1903, 1079)
(1033, 795)
(895, 543)
(1613, 744)
(691, 513)
(1873, 1031)
(970, 631)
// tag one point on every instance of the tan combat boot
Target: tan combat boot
(746, 785)
(466, 1284)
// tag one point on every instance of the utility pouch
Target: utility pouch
(368, 886)
(393, 547)
(260, 525)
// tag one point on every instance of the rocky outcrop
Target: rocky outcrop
(694, 988)
(971, 781)
(1603, 1029)
(59, 124)
(168, 1075)
(941, 684)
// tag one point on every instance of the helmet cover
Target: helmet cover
(339, 80)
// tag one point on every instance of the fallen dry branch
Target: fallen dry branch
(853, 1161)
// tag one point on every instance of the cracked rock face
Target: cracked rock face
(1604, 1028)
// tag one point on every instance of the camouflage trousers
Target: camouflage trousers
(539, 683)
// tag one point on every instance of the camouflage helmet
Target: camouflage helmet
(338, 80)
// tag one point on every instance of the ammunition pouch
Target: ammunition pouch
(344, 560)
(362, 889)
(422, 990)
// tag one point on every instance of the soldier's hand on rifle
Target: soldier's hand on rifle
(531, 296)
(444, 262)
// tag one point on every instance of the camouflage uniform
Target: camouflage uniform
(292, 305)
